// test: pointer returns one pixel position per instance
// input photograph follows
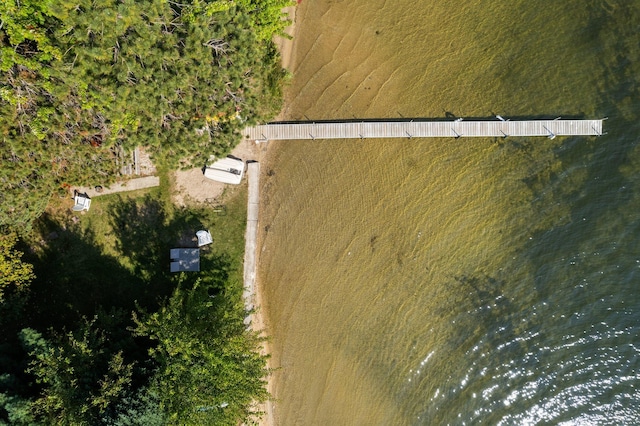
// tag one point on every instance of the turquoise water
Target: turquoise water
(458, 281)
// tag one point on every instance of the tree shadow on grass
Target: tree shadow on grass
(75, 279)
(111, 263)
(76, 283)
(145, 233)
(142, 236)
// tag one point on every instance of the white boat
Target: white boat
(226, 170)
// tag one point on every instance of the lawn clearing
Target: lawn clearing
(117, 254)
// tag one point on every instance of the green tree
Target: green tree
(14, 273)
(210, 370)
(81, 79)
(266, 16)
(18, 411)
(142, 409)
(82, 380)
(25, 25)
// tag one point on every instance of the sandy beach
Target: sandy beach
(285, 45)
(191, 186)
(260, 321)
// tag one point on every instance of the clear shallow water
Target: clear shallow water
(458, 281)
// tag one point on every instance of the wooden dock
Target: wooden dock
(498, 128)
(251, 236)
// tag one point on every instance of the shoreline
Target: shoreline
(285, 45)
(260, 322)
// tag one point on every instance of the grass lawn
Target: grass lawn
(117, 254)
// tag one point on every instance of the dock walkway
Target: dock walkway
(423, 129)
(251, 236)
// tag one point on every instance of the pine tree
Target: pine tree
(80, 79)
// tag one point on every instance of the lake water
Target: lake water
(444, 281)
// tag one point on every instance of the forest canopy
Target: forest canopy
(96, 330)
(81, 79)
